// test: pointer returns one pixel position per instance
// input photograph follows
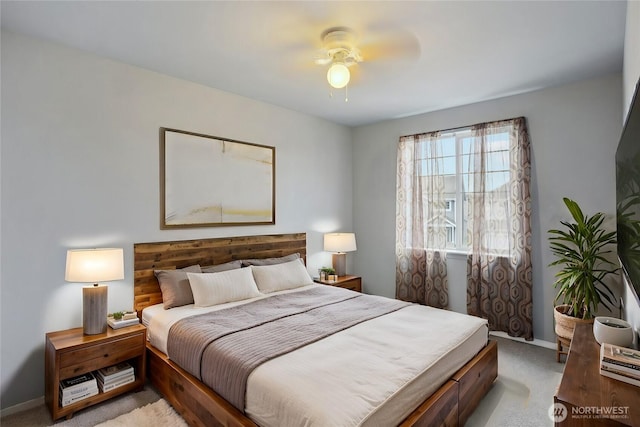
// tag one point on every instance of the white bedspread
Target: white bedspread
(373, 374)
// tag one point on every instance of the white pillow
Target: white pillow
(225, 286)
(277, 277)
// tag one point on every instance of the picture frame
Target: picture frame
(208, 181)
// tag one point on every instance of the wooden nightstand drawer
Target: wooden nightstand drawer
(76, 362)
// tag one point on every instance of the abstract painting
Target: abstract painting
(207, 181)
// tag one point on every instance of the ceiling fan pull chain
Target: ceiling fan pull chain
(346, 93)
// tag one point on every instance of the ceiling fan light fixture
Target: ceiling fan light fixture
(338, 75)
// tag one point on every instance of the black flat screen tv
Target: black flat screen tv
(628, 196)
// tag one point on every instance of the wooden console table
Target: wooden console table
(592, 399)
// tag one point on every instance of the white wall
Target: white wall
(631, 66)
(631, 74)
(80, 168)
(574, 131)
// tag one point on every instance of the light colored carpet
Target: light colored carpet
(528, 377)
(156, 414)
(527, 380)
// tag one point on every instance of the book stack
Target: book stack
(77, 388)
(620, 363)
(128, 319)
(115, 376)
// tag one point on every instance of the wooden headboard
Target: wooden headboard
(148, 257)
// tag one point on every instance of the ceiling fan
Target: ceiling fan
(342, 49)
(339, 49)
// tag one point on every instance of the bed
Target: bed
(425, 401)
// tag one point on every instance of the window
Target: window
(449, 204)
(462, 167)
(467, 190)
(451, 234)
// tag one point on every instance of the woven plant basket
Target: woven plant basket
(566, 324)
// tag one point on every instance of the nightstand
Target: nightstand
(70, 353)
(348, 282)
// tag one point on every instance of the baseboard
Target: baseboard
(539, 343)
(24, 406)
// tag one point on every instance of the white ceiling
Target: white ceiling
(455, 52)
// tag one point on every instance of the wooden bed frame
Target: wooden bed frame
(450, 405)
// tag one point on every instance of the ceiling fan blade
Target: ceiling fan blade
(399, 45)
(356, 76)
(300, 58)
(322, 57)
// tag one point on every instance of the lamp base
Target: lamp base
(339, 261)
(94, 309)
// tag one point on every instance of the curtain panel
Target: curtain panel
(421, 263)
(499, 267)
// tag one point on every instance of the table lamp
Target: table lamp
(93, 266)
(339, 243)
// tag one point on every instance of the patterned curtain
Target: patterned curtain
(499, 265)
(421, 263)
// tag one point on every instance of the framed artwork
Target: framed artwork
(207, 181)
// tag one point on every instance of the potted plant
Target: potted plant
(328, 273)
(581, 249)
(117, 315)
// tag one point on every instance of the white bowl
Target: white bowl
(612, 331)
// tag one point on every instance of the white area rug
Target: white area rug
(156, 414)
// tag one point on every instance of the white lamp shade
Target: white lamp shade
(338, 75)
(94, 265)
(340, 242)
